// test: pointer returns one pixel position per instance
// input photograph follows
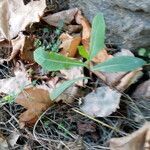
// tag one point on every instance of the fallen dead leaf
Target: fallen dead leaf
(129, 79)
(67, 16)
(15, 16)
(86, 31)
(36, 101)
(69, 44)
(102, 102)
(139, 140)
(24, 45)
(142, 91)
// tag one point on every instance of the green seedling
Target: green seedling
(52, 61)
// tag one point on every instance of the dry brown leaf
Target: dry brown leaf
(101, 56)
(129, 79)
(15, 16)
(36, 101)
(24, 45)
(67, 16)
(86, 32)
(69, 44)
(139, 140)
(17, 44)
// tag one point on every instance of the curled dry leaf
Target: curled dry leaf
(36, 101)
(67, 16)
(129, 79)
(24, 45)
(139, 140)
(102, 102)
(86, 32)
(15, 16)
(69, 44)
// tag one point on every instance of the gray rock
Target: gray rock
(128, 22)
(134, 5)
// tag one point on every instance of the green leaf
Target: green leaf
(83, 52)
(97, 35)
(59, 90)
(119, 64)
(52, 61)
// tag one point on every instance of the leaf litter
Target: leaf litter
(35, 99)
(18, 16)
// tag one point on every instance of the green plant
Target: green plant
(53, 61)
